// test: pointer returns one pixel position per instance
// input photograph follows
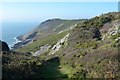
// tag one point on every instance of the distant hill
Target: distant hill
(46, 28)
(49, 27)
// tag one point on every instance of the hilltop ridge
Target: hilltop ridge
(46, 28)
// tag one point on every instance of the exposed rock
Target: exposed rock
(112, 30)
(59, 44)
(21, 43)
(42, 50)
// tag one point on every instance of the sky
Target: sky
(40, 11)
(59, 0)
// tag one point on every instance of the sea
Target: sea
(11, 30)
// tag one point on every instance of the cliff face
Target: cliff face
(4, 46)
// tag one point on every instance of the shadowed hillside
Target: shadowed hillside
(24, 66)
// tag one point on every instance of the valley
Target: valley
(84, 49)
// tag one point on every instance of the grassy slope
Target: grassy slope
(49, 27)
(96, 58)
(85, 56)
(90, 57)
(50, 40)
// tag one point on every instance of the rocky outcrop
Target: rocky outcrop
(4, 46)
(59, 44)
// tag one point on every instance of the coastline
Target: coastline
(15, 42)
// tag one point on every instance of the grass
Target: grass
(67, 24)
(84, 58)
(50, 40)
(20, 67)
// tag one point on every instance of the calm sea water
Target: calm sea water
(11, 30)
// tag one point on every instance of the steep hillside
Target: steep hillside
(45, 29)
(49, 41)
(89, 50)
(93, 48)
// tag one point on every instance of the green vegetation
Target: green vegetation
(23, 66)
(67, 24)
(87, 44)
(100, 21)
(50, 40)
(90, 53)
